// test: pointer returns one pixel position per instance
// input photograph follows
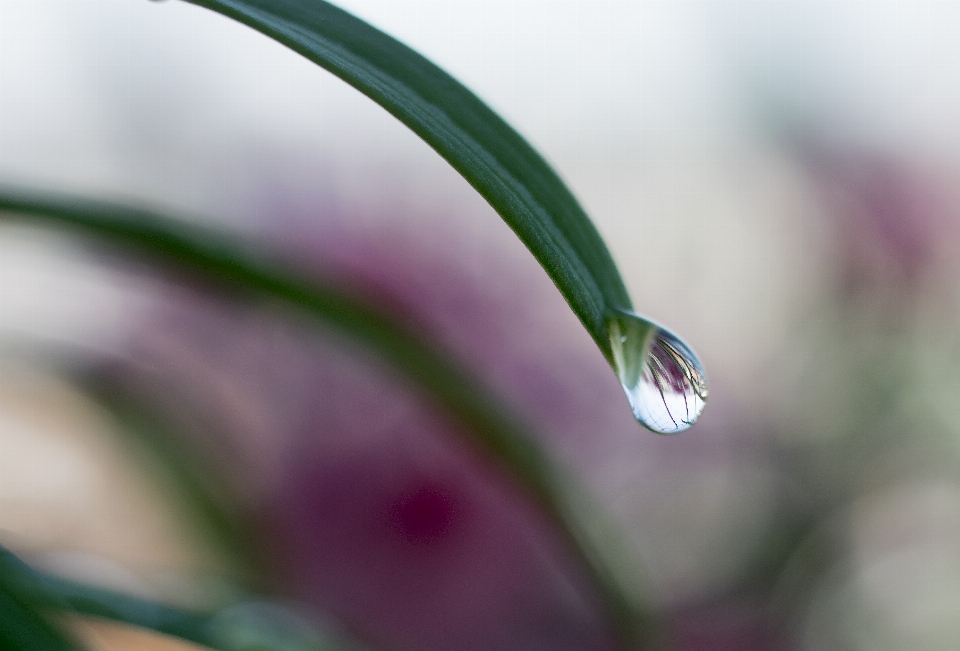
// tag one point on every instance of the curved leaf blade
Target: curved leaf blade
(516, 181)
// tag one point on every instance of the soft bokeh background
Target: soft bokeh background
(776, 180)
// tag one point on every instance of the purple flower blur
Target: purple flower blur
(361, 499)
(896, 218)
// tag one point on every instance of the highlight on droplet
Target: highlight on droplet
(662, 377)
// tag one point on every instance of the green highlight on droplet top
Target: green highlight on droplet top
(663, 378)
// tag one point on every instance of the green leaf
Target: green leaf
(260, 625)
(22, 625)
(233, 269)
(490, 154)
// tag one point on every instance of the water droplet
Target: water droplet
(663, 379)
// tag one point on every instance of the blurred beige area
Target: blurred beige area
(773, 179)
(60, 471)
(107, 636)
(83, 500)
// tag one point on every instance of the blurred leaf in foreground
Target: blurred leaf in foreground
(420, 504)
(22, 626)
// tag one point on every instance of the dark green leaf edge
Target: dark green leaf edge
(22, 624)
(47, 592)
(488, 425)
(516, 181)
(43, 592)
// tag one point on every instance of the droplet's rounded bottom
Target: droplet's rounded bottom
(662, 377)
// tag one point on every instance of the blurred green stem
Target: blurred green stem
(45, 592)
(232, 269)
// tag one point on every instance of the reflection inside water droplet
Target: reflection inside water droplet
(663, 379)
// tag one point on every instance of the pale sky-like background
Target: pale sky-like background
(662, 116)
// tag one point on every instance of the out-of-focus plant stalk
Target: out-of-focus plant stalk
(212, 259)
